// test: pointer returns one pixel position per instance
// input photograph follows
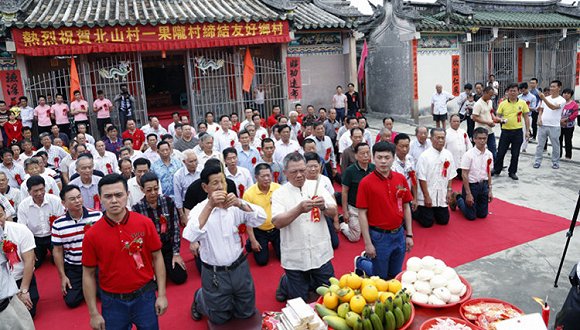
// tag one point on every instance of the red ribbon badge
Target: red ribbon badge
(446, 165)
(50, 191)
(18, 179)
(97, 201)
(242, 232)
(217, 129)
(83, 106)
(11, 252)
(241, 189)
(254, 160)
(413, 177)
(163, 224)
(263, 136)
(232, 143)
(64, 111)
(135, 251)
(56, 162)
(259, 149)
(109, 168)
(489, 161)
(51, 220)
(327, 155)
(48, 113)
(11, 202)
(519, 116)
(465, 136)
(276, 176)
(315, 213)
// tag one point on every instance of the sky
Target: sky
(365, 8)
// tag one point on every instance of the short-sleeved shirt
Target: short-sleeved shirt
(483, 109)
(43, 115)
(478, 164)
(380, 195)
(60, 112)
(20, 235)
(69, 234)
(106, 246)
(105, 105)
(552, 117)
(255, 196)
(352, 177)
(439, 102)
(82, 104)
(514, 113)
(138, 138)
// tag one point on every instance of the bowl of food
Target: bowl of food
(484, 313)
(446, 323)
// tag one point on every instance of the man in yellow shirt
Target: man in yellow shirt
(260, 194)
(513, 113)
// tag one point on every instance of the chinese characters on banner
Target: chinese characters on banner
(415, 72)
(455, 69)
(11, 86)
(84, 40)
(520, 63)
(577, 69)
(294, 78)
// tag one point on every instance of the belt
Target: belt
(233, 266)
(4, 303)
(265, 231)
(480, 182)
(132, 295)
(386, 231)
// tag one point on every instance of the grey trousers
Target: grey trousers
(545, 132)
(234, 295)
(16, 316)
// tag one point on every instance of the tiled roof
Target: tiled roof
(517, 20)
(429, 23)
(309, 16)
(57, 13)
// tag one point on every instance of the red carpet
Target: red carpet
(459, 242)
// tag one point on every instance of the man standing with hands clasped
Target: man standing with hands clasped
(126, 248)
(383, 202)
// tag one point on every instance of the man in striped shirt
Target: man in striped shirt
(68, 232)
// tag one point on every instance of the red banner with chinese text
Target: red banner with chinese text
(455, 69)
(294, 78)
(415, 72)
(11, 86)
(73, 40)
(577, 69)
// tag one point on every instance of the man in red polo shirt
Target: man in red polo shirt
(126, 248)
(134, 134)
(383, 201)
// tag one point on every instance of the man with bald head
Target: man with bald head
(439, 105)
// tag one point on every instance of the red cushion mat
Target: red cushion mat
(459, 242)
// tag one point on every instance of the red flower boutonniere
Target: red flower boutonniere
(254, 160)
(50, 191)
(83, 106)
(64, 111)
(327, 155)
(232, 142)
(276, 176)
(56, 162)
(465, 135)
(413, 177)
(446, 165)
(109, 168)
(519, 116)
(263, 136)
(48, 113)
(259, 149)
(87, 227)
(242, 229)
(163, 224)
(489, 161)
(51, 219)
(241, 189)
(11, 252)
(134, 248)
(11, 203)
(97, 202)
(217, 129)
(18, 179)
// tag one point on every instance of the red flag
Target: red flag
(249, 70)
(75, 84)
(361, 65)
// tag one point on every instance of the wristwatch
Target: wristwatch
(25, 291)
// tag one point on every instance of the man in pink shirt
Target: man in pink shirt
(59, 113)
(79, 108)
(102, 107)
(42, 115)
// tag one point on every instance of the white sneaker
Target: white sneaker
(343, 226)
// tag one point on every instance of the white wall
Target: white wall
(432, 69)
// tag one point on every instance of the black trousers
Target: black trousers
(264, 238)
(513, 138)
(43, 245)
(101, 122)
(123, 119)
(534, 123)
(33, 291)
(44, 129)
(74, 296)
(64, 128)
(566, 136)
(427, 216)
(333, 234)
(175, 274)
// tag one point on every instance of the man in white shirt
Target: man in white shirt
(12, 195)
(295, 125)
(345, 141)
(87, 182)
(225, 270)
(183, 178)
(304, 236)
(225, 137)
(32, 166)
(324, 148)
(421, 144)
(476, 168)
(171, 127)
(14, 171)
(248, 112)
(439, 106)
(240, 175)
(405, 165)
(260, 132)
(21, 271)
(285, 145)
(211, 126)
(55, 153)
(549, 124)
(435, 171)
(105, 161)
(456, 140)
(155, 128)
(207, 150)
(37, 212)
(151, 152)
(26, 112)
(141, 166)
(128, 152)
(483, 116)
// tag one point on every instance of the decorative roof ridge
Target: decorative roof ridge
(280, 4)
(339, 7)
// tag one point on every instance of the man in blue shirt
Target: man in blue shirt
(166, 167)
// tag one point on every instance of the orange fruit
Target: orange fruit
(395, 286)
(385, 295)
(370, 293)
(357, 303)
(382, 285)
(354, 281)
(344, 295)
(343, 280)
(330, 300)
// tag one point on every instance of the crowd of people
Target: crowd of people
(232, 187)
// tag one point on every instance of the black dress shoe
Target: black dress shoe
(514, 176)
(195, 314)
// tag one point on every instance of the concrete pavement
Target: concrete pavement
(527, 270)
